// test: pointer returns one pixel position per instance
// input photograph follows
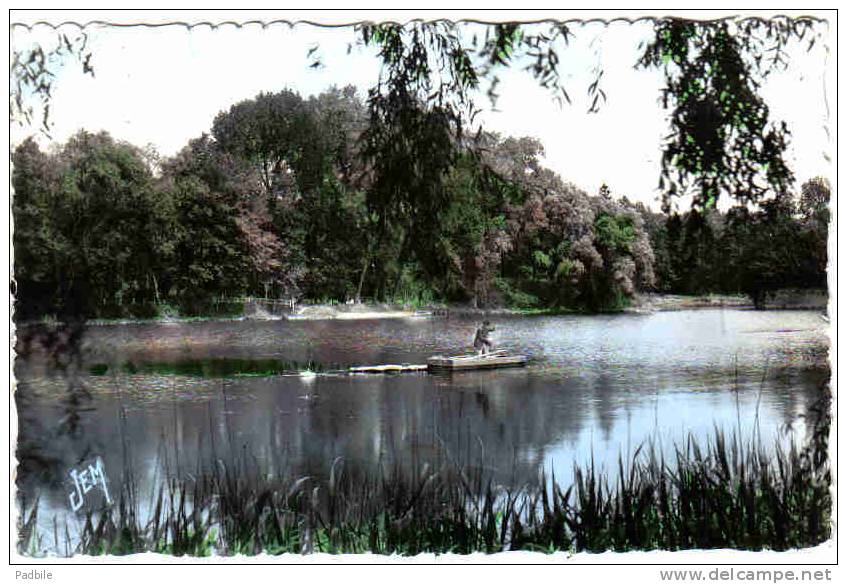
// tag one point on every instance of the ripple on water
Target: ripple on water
(595, 385)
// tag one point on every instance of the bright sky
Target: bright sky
(164, 86)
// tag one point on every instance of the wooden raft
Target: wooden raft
(495, 360)
(474, 361)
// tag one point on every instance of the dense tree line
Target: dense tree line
(320, 198)
(779, 244)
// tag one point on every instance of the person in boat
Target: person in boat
(482, 341)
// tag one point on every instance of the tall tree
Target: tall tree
(219, 244)
(90, 226)
(814, 211)
(35, 178)
(306, 154)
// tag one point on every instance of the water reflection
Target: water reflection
(596, 387)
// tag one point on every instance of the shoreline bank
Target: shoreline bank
(260, 310)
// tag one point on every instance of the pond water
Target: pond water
(596, 386)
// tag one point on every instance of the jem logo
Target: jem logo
(85, 480)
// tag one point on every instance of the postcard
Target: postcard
(548, 288)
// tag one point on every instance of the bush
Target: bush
(515, 298)
(165, 310)
(411, 290)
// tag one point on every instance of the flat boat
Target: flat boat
(475, 361)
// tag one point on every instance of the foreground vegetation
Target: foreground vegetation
(728, 493)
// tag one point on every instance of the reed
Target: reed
(724, 493)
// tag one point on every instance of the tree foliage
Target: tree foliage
(781, 243)
(394, 196)
(98, 233)
(32, 73)
(89, 232)
(722, 140)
